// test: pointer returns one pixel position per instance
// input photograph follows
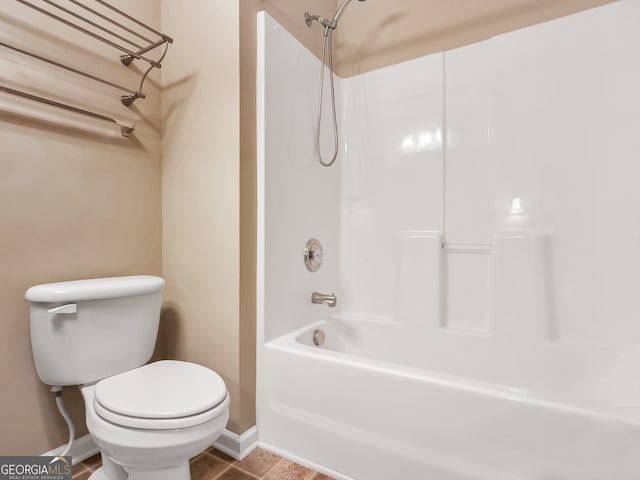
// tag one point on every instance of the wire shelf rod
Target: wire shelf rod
(93, 24)
(134, 20)
(91, 34)
(125, 128)
(71, 69)
(110, 20)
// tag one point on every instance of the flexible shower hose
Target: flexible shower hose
(328, 32)
(67, 418)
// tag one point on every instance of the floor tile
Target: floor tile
(92, 463)
(84, 475)
(77, 469)
(216, 465)
(235, 474)
(321, 476)
(221, 455)
(206, 467)
(258, 462)
(286, 470)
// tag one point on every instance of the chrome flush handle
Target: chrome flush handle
(68, 308)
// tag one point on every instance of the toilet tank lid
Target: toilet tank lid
(94, 289)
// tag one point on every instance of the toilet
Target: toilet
(147, 419)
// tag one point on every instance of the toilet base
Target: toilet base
(109, 471)
(98, 475)
(179, 472)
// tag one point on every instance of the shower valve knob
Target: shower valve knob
(313, 255)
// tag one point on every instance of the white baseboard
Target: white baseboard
(237, 446)
(82, 448)
(234, 445)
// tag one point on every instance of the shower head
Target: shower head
(325, 22)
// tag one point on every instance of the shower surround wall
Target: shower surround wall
(307, 207)
(480, 227)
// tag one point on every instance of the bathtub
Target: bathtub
(359, 408)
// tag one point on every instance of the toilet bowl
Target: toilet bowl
(147, 419)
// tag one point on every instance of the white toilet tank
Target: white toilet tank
(86, 330)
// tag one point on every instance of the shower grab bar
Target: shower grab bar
(478, 248)
(126, 128)
(71, 69)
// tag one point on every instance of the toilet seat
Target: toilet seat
(163, 395)
(164, 423)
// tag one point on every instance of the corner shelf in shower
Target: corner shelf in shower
(136, 49)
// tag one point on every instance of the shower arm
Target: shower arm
(325, 22)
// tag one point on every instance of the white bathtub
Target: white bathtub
(343, 407)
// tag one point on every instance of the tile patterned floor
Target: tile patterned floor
(215, 465)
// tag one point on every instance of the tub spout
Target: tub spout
(324, 299)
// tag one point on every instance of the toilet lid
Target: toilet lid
(162, 390)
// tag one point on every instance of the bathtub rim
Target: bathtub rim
(290, 343)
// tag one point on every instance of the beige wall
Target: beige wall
(200, 185)
(378, 33)
(77, 200)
